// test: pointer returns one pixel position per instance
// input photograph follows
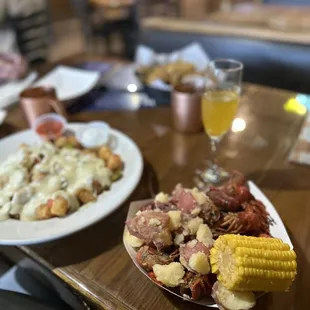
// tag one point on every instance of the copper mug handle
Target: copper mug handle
(57, 107)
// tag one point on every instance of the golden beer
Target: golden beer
(218, 111)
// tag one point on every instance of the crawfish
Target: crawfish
(147, 257)
(197, 286)
(232, 195)
(253, 220)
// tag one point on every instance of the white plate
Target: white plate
(69, 82)
(13, 232)
(9, 92)
(277, 230)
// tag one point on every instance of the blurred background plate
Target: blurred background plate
(70, 83)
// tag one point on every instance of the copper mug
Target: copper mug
(186, 109)
(36, 101)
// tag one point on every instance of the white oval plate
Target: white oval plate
(69, 83)
(13, 232)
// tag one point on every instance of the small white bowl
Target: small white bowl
(94, 135)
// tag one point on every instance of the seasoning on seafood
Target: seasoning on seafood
(147, 257)
(196, 286)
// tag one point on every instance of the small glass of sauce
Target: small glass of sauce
(50, 126)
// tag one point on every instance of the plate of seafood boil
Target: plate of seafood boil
(71, 178)
(222, 248)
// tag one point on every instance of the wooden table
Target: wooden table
(94, 261)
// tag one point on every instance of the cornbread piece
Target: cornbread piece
(253, 264)
(170, 275)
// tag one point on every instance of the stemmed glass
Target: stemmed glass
(219, 105)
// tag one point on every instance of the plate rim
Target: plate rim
(131, 187)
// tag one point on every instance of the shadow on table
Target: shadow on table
(7, 129)
(100, 237)
(295, 178)
(299, 292)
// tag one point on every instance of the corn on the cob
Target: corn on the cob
(253, 264)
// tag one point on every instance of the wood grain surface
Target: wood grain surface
(94, 261)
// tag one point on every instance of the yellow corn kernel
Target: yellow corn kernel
(253, 264)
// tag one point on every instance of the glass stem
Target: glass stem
(214, 148)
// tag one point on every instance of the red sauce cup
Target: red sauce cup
(50, 126)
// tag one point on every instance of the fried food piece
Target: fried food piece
(61, 142)
(97, 187)
(3, 180)
(115, 162)
(116, 175)
(59, 206)
(70, 141)
(84, 195)
(158, 73)
(74, 142)
(90, 151)
(38, 176)
(43, 212)
(105, 153)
